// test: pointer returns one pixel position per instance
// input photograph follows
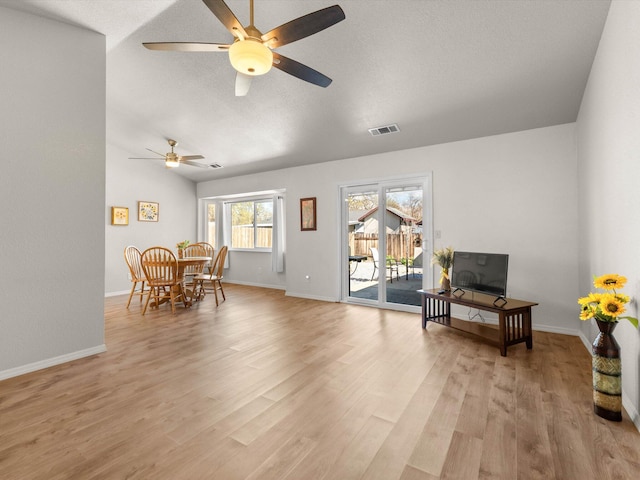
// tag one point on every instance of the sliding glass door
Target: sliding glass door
(403, 235)
(361, 228)
(384, 234)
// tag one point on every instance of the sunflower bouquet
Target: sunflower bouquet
(608, 306)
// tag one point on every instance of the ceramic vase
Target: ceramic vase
(607, 373)
(445, 282)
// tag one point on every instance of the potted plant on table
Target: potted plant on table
(181, 246)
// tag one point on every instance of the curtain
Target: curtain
(278, 235)
(223, 234)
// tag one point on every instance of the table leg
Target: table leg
(502, 335)
(352, 272)
(529, 332)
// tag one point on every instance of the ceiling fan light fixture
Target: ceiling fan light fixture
(172, 160)
(250, 57)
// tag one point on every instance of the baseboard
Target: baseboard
(50, 362)
(253, 284)
(555, 329)
(585, 341)
(631, 410)
(311, 297)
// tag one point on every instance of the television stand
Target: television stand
(514, 317)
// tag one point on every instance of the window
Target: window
(252, 224)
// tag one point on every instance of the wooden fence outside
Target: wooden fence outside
(398, 245)
(359, 243)
(242, 236)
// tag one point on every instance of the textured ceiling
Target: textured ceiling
(442, 70)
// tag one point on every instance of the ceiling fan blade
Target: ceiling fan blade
(243, 82)
(191, 157)
(300, 71)
(161, 154)
(226, 16)
(144, 158)
(194, 164)
(187, 47)
(303, 26)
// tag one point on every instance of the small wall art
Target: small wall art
(119, 216)
(308, 214)
(148, 211)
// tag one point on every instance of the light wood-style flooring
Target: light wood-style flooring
(273, 387)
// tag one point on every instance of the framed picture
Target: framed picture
(119, 216)
(148, 211)
(308, 214)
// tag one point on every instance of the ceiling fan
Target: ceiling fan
(172, 159)
(251, 52)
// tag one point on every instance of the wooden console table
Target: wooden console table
(514, 316)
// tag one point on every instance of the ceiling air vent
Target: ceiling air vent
(393, 128)
(215, 165)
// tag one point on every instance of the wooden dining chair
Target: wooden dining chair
(132, 257)
(200, 281)
(210, 252)
(160, 267)
(194, 250)
(191, 271)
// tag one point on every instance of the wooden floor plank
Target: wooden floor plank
(431, 450)
(357, 455)
(412, 473)
(463, 457)
(332, 441)
(269, 386)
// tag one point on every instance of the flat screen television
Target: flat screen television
(480, 272)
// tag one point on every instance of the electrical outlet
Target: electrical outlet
(437, 234)
(129, 276)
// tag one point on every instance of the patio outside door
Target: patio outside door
(383, 238)
(361, 203)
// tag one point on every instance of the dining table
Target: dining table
(183, 263)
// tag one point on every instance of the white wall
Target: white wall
(130, 181)
(52, 99)
(513, 193)
(609, 173)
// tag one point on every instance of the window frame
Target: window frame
(228, 223)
